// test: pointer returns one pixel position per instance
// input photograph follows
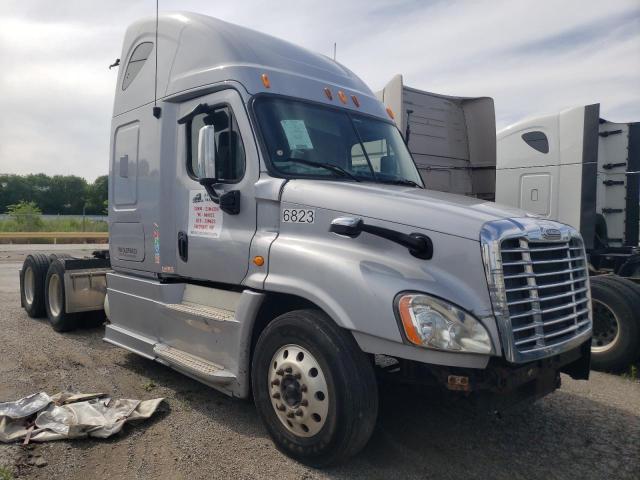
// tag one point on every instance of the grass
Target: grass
(148, 386)
(632, 373)
(56, 225)
(5, 473)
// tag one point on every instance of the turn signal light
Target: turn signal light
(258, 260)
(265, 80)
(342, 96)
(355, 100)
(328, 93)
(390, 113)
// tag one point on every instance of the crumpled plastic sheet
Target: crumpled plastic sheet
(66, 415)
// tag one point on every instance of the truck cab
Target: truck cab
(271, 236)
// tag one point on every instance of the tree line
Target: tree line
(59, 194)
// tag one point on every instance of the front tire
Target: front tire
(314, 389)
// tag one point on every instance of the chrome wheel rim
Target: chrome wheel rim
(29, 280)
(606, 328)
(55, 295)
(299, 391)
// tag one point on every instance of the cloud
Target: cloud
(531, 56)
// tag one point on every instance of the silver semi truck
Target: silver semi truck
(271, 236)
(573, 167)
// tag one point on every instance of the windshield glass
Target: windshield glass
(351, 147)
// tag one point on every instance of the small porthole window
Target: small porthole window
(138, 57)
(537, 140)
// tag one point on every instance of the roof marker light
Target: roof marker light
(328, 93)
(342, 96)
(265, 80)
(390, 113)
(355, 100)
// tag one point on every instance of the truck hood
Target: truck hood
(425, 209)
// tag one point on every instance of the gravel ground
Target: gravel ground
(584, 430)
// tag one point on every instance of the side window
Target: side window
(229, 150)
(138, 57)
(537, 140)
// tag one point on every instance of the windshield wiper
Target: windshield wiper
(401, 181)
(326, 166)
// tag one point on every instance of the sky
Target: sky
(531, 56)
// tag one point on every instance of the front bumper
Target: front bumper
(513, 382)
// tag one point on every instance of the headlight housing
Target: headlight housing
(433, 323)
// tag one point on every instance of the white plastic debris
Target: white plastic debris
(40, 417)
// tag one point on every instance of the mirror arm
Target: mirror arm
(208, 184)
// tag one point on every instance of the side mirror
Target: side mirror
(207, 152)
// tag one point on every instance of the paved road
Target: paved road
(585, 430)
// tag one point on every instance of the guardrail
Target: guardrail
(55, 236)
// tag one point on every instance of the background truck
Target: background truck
(573, 167)
(270, 236)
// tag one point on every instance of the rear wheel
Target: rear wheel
(60, 320)
(314, 389)
(616, 329)
(34, 272)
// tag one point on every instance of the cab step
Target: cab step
(204, 311)
(192, 365)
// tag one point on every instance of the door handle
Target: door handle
(183, 246)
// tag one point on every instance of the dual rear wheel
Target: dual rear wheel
(42, 292)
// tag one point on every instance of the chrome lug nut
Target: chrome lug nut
(276, 395)
(275, 383)
(279, 372)
(282, 408)
(299, 413)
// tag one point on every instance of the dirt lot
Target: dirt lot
(585, 430)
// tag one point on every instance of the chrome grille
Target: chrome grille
(546, 291)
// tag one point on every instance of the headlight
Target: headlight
(434, 323)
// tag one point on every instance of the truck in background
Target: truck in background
(271, 237)
(452, 139)
(580, 169)
(573, 167)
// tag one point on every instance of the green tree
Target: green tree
(97, 194)
(27, 216)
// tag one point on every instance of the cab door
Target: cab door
(213, 244)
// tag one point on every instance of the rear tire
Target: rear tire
(616, 326)
(60, 320)
(32, 280)
(307, 367)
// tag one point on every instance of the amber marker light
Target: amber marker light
(342, 96)
(328, 93)
(405, 315)
(265, 80)
(258, 260)
(355, 101)
(390, 113)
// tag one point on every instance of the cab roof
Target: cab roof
(196, 52)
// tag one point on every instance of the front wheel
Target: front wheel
(314, 389)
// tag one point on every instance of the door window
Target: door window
(230, 155)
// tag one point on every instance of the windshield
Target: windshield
(305, 140)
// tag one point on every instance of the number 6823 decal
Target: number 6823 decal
(298, 215)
